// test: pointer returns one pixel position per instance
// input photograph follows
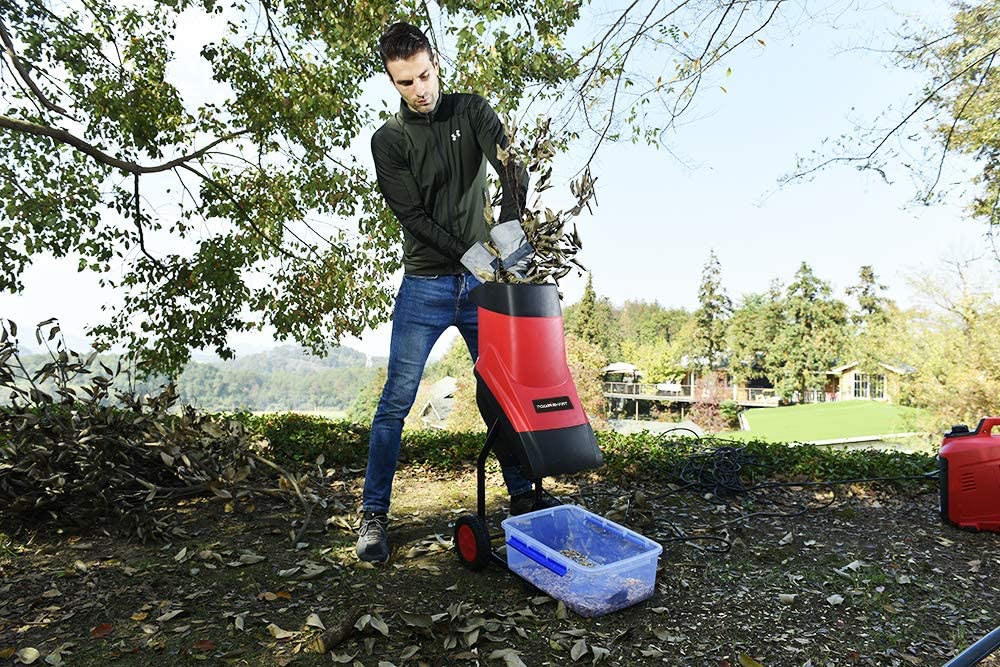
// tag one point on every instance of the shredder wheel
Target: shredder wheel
(472, 542)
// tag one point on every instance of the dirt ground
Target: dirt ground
(865, 577)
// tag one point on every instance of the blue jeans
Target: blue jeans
(425, 307)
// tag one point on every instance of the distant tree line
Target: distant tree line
(284, 378)
(788, 335)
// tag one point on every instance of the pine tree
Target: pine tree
(712, 314)
(584, 324)
(811, 336)
(872, 305)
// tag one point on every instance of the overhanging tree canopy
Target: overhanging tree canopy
(953, 114)
(246, 207)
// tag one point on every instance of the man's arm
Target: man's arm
(513, 176)
(403, 196)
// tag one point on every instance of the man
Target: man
(430, 159)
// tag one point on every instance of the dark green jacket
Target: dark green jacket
(431, 170)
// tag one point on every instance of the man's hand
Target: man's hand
(512, 244)
(481, 262)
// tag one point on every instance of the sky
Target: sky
(714, 188)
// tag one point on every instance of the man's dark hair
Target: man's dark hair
(402, 41)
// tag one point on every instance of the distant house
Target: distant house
(621, 371)
(623, 384)
(849, 383)
(435, 410)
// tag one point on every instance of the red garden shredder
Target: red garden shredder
(527, 396)
(969, 464)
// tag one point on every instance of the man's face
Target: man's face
(416, 79)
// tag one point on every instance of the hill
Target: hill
(284, 378)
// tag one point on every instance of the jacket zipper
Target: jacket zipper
(444, 164)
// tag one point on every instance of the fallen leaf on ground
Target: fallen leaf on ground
(251, 559)
(313, 621)
(417, 620)
(170, 615)
(28, 655)
(278, 633)
(747, 661)
(508, 655)
(101, 631)
(835, 599)
(204, 645)
(377, 623)
(579, 650)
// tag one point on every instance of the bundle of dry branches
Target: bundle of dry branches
(555, 246)
(86, 453)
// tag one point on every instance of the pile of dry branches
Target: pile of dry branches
(75, 450)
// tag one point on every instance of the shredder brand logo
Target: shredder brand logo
(552, 404)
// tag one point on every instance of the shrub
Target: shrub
(302, 438)
(658, 457)
(730, 412)
(295, 437)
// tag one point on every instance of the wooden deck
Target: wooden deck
(682, 393)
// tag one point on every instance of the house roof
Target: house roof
(440, 402)
(899, 369)
(621, 367)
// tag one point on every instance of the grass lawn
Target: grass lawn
(826, 421)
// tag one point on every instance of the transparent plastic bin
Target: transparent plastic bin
(593, 565)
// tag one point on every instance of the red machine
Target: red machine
(969, 464)
(525, 391)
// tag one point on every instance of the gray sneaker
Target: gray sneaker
(373, 541)
(525, 502)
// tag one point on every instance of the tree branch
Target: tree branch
(298, 492)
(954, 124)
(25, 74)
(246, 218)
(614, 97)
(927, 98)
(65, 137)
(138, 225)
(274, 34)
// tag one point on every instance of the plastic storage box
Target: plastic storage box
(593, 565)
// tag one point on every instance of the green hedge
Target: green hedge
(294, 437)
